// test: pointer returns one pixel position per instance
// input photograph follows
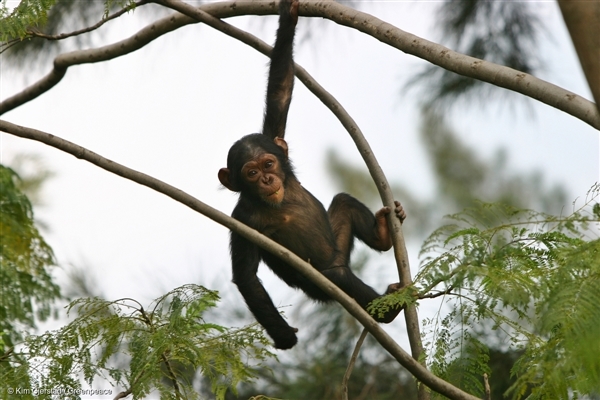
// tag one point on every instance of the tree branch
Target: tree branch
(350, 367)
(7, 354)
(488, 389)
(172, 377)
(122, 395)
(306, 269)
(7, 45)
(498, 75)
(126, 46)
(461, 64)
(438, 294)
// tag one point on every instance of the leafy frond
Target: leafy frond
(26, 15)
(27, 289)
(568, 360)
(34, 31)
(33, 15)
(460, 360)
(157, 345)
(533, 276)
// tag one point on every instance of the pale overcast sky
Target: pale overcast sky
(173, 108)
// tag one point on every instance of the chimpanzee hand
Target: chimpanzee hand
(391, 314)
(289, 9)
(394, 287)
(284, 338)
(400, 213)
(383, 233)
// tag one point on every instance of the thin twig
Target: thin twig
(122, 395)
(127, 392)
(7, 45)
(7, 354)
(34, 33)
(350, 367)
(438, 294)
(488, 390)
(172, 376)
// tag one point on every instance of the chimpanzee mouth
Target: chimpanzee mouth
(274, 193)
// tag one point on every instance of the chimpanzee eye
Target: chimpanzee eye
(252, 172)
(269, 164)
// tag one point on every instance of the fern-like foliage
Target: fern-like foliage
(31, 15)
(27, 290)
(142, 349)
(565, 359)
(532, 276)
(28, 14)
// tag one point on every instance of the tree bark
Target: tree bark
(583, 22)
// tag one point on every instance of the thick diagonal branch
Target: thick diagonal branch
(421, 373)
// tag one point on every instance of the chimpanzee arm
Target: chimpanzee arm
(281, 72)
(245, 259)
(343, 277)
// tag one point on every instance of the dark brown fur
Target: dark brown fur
(274, 202)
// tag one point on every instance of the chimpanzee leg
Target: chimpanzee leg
(345, 279)
(363, 294)
(350, 218)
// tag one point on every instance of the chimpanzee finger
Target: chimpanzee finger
(383, 211)
(394, 287)
(399, 210)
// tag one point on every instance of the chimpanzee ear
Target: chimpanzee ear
(279, 141)
(224, 175)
